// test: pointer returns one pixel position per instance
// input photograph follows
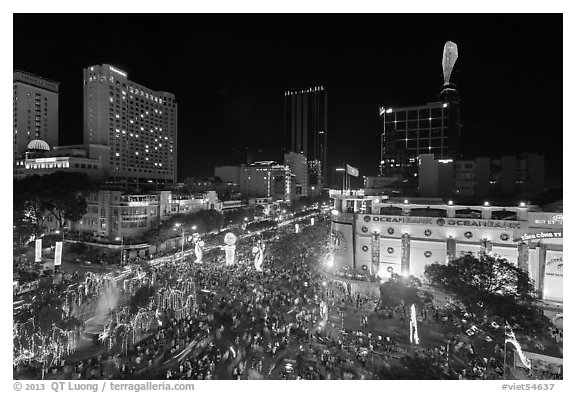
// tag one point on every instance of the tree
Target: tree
(61, 194)
(68, 195)
(399, 291)
(477, 280)
(489, 286)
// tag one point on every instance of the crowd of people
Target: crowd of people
(270, 324)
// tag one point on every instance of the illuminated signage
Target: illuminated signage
(444, 221)
(478, 223)
(116, 70)
(399, 219)
(539, 235)
(546, 219)
(50, 159)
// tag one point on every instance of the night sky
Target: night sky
(229, 72)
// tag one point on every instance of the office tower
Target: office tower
(137, 123)
(433, 128)
(306, 129)
(35, 111)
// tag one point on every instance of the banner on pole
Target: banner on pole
(38, 255)
(352, 171)
(58, 254)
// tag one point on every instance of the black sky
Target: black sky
(229, 72)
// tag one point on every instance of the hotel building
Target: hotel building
(137, 123)
(35, 111)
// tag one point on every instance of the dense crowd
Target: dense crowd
(269, 325)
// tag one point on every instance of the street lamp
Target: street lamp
(121, 240)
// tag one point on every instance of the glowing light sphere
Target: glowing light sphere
(230, 239)
(330, 261)
(449, 59)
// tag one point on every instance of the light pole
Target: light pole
(121, 239)
(176, 226)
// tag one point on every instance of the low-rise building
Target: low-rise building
(392, 235)
(40, 159)
(115, 214)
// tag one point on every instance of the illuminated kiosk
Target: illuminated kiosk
(398, 235)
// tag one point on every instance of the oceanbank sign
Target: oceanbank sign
(444, 221)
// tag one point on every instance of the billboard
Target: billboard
(38, 251)
(58, 254)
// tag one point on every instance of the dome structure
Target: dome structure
(38, 144)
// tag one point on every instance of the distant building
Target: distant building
(306, 129)
(228, 173)
(137, 123)
(412, 131)
(35, 111)
(39, 159)
(113, 213)
(481, 177)
(299, 166)
(433, 128)
(260, 179)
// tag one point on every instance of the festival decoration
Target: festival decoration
(413, 326)
(199, 251)
(511, 338)
(258, 252)
(230, 248)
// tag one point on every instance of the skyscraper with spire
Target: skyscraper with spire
(433, 128)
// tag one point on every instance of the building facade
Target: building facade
(111, 214)
(306, 129)
(388, 236)
(89, 159)
(481, 177)
(408, 132)
(299, 167)
(137, 123)
(35, 111)
(260, 179)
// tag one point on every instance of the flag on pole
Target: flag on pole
(511, 338)
(352, 171)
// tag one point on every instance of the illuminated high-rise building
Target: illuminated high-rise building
(137, 123)
(432, 128)
(306, 129)
(35, 111)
